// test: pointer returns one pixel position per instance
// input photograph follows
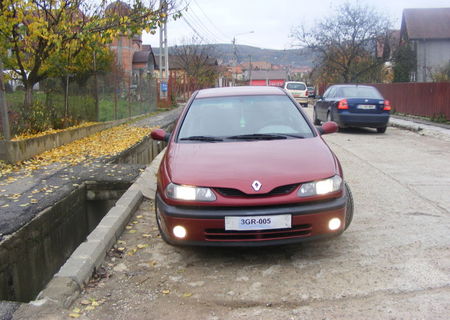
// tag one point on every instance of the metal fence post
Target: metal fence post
(4, 106)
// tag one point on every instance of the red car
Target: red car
(245, 166)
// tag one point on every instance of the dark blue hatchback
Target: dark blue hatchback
(353, 105)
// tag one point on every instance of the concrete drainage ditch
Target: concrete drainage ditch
(31, 256)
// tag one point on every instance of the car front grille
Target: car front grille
(282, 190)
(222, 235)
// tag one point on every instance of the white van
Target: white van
(299, 91)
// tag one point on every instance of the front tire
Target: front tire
(158, 222)
(350, 207)
(315, 120)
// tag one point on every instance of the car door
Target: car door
(322, 104)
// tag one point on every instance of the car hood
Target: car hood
(238, 164)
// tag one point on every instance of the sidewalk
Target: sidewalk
(423, 127)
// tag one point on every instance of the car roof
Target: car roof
(352, 86)
(295, 82)
(239, 91)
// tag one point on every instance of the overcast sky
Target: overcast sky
(219, 21)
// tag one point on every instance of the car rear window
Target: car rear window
(295, 86)
(229, 116)
(359, 92)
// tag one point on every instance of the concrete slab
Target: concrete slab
(146, 182)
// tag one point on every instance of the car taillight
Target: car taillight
(343, 105)
(306, 93)
(387, 105)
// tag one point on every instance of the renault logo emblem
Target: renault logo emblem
(256, 185)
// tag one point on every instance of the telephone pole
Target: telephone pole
(163, 55)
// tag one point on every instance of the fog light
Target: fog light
(179, 232)
(334, 224)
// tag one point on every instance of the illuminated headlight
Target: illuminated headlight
(320, 187)
(178, 192)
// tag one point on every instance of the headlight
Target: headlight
(178, 192)
(320, 187)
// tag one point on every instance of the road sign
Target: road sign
(164, 86)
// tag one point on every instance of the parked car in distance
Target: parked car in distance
(353, 105)
(244, 166)
(299, 91)
(311, 92)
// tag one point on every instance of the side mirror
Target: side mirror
(160, 135)
(328, 127)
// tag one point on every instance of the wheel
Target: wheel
(158, 222)
(381, 130)
(315, 120)
(349, 211)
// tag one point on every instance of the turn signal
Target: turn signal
(387, 105)
(343, 105)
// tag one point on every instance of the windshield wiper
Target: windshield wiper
(258, 136)
(293, 135)
(202, 138)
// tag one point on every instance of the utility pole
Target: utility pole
(163, 55)
(250, 75)
(235, 53)
(97, 110)
(4, 107)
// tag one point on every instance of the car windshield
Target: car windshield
(295, 86)
(252, 117)
(359, 92)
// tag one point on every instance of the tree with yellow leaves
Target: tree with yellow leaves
(36, 33)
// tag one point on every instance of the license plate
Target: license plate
(258, 222)
(366, 106)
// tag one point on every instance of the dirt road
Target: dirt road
(392, 263)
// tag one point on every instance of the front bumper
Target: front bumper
(206, 226)
(301, 100)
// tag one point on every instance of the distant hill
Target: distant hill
(293, 57)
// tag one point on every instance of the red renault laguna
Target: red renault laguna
(244, 166)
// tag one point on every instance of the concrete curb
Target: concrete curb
(67, 284)
(403, 124)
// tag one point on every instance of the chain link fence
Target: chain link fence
(66, 101)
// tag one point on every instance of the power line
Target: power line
(210, 21)
(198, 28)
(200, 25)
(194, 30)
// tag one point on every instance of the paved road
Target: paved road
(392, 263)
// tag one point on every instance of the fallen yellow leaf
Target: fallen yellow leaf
(85, 302)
